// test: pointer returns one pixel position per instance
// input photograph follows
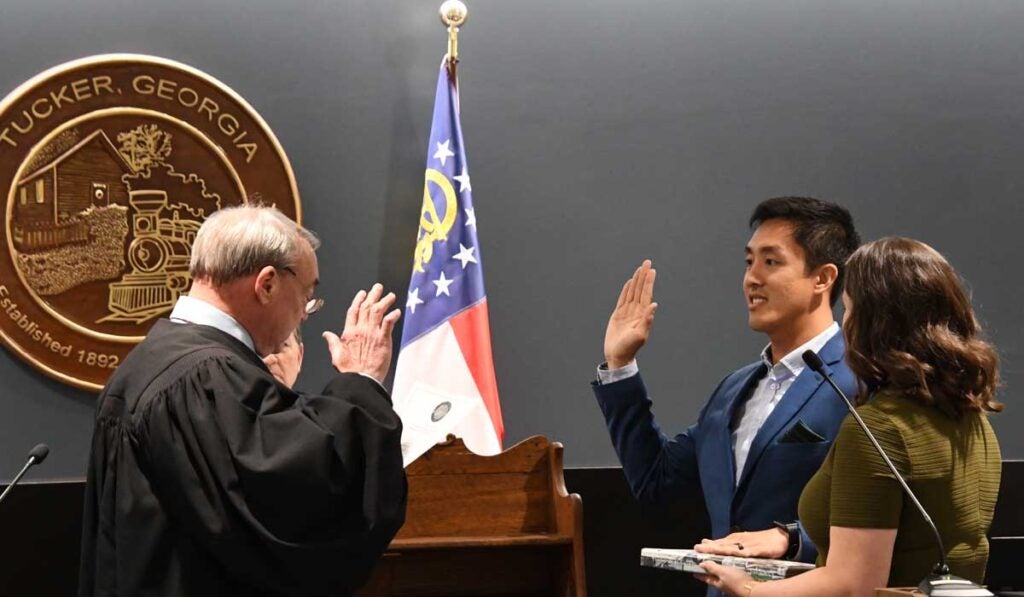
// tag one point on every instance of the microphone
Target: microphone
(940, 582)
(36, 456)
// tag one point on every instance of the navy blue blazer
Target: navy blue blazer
(782, 458)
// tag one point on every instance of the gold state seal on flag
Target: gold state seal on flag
(110, 164)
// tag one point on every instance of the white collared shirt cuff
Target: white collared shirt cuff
(375, 380)
(606, 376)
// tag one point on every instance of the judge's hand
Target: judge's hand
(772, 543)
(631, 321)
(277, 368)
(729, 580)
(286, 363)
(365, 344)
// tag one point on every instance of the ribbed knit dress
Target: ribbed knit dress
(952, 465)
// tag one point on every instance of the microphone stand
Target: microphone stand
(36, 456)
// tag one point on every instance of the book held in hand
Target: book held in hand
(687, 560)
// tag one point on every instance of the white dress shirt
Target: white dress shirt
(751, 415)
(193, 310)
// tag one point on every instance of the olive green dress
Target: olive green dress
(953, 466)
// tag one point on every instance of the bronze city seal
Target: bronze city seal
(109, 165)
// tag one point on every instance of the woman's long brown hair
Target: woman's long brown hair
(912, 329)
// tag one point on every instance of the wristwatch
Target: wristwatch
(793, 532)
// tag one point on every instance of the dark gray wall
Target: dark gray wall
(598, 133)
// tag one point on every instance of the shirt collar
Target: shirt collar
(793, 363)
(192, 310)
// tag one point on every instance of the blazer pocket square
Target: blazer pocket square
(801, 434)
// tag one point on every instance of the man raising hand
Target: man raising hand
(767, 426)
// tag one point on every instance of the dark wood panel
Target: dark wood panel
(616, 526)
(496, 571)
(1004, 563)
(1009, 517)
(41, 525)
(42, 531)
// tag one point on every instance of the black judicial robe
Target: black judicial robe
(208, 477)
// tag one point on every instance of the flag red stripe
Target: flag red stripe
(473, 333)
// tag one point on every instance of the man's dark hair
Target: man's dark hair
(822, 229)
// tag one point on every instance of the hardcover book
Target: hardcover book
(688, 560)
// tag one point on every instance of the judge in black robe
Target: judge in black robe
(208, 476)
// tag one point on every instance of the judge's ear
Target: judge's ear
(265, 283)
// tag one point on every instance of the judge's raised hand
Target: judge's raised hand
(771, 543)
(286, 363)
(365, 344)
(631, 321)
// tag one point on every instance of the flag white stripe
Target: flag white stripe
(436, 359)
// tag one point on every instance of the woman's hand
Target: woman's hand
(772, 543)
(729, 580)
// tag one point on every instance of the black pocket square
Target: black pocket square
(801, 434)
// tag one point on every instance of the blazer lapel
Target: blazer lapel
(834, 350)
(805, 385)
(723, 436)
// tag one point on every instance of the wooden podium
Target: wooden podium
(486, 525)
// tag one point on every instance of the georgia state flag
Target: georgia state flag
(444, 379)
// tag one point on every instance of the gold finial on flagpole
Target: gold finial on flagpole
(453, 16)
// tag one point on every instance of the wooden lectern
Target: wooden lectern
(486, 525)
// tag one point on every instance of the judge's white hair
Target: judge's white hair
(238, 241)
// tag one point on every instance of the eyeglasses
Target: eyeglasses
(312, 305)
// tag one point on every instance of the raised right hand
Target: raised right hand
(631, 321)
(365, 344)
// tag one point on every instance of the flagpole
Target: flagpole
(453, 16)
(444, 379)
